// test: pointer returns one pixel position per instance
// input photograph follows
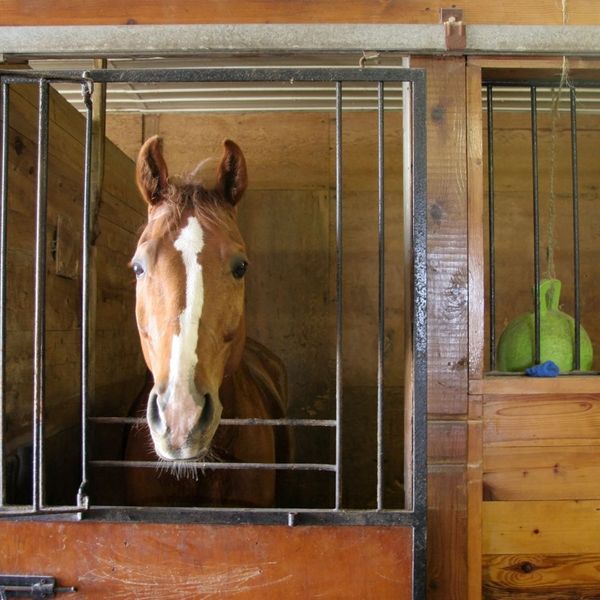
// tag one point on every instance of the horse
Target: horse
(190, 266)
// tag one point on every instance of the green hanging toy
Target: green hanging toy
(557, 336)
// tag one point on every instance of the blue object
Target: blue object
(546, 369)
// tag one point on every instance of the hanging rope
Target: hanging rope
(555, 111)
(551, 226)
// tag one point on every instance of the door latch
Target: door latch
(30, 586)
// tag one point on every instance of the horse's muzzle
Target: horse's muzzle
(182, 425)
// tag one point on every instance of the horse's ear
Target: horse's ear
(151, 171)
(232, 177)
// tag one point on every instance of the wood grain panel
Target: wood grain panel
(135, 561)
(122, 213)
(544, 420)
(446, 538)
(537, 576)
(542, 473)
(37, 12)
(283, 151)
(447, 315)
(541, 527)
(447, 442)
(447, 236)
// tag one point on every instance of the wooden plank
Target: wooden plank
(546, 420)
(446, 539)
(36, 12)
(534, 576)
(542, 473)
(284, 151)
(521, 385)
(474, 505)
(447, 315)
(447, 236)
(125, 131)
(447, 442)
(175, 561)
(541, 527)
(476, 244)
(360, 152)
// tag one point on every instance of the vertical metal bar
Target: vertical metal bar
(536, 224)
(3, 236)
(381, 307)
(419, 347)
(87, 90)
(576, 265)
(492, 224)
(339, 295)
(39, 318)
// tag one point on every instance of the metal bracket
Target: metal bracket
(30, 586)
(455, 31)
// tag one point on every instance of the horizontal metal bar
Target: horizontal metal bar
(212, 466)
(219, 75)
(226, 422)
(29, 510)
(527, 84)
(231, 516)
(277, 91)
(182, 40)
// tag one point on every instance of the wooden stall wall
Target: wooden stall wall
(535, 460)
(288, 221)
(120, 370)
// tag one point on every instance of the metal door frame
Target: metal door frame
(414, 516)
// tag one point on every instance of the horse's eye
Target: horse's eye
(137, 269)
(239, 269)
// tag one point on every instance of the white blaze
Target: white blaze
(183, 348)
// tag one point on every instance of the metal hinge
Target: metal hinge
(30, 586)
(455, 32)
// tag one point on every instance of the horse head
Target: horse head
(189, 265)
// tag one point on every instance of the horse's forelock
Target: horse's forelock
(207, 205)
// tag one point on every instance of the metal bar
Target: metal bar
(251, 516)
(290, 75)
(418, 402)
(39, 319)
(492, 227)
(207, 39)
(339, 338)
(3, 278)
(576, 262)
(87, 90)
(227, 422)
(214, 466)
(3, 224)
(381, 282)
(536, 224)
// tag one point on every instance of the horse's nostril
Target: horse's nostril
(155, 419)
(208, 411)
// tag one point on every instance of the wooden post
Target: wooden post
(447, 325)
(476, 330)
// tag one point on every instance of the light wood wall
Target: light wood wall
(120, 369)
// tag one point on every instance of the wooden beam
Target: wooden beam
(447, 325)
(64, 12)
